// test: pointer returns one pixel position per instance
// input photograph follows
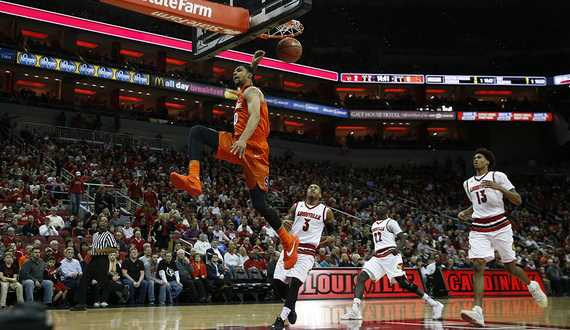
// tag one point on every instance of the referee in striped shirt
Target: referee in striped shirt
(104, 243)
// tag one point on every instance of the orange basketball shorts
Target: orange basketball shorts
(255, 162)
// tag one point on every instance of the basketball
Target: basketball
(289, 50)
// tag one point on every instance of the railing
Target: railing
(98, 137)
(121, 199)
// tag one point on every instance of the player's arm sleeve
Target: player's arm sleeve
(502, 179)
(466, 188)
(394, 227)
(329, 222)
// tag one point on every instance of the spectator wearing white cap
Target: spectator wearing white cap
(76, 189)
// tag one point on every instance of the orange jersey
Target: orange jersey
(241, 116)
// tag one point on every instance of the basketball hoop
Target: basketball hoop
(288, 30)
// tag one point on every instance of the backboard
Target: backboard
(264, 15)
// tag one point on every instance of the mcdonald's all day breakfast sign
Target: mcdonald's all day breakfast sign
(195, 13)
(191, 87)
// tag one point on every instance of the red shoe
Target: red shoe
(290, 258)
(183, 182)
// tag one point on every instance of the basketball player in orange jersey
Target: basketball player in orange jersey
(247, 147)
(307, 220)
(491, 230)
(386, 261)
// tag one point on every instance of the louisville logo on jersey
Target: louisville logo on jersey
(401, 266)
(513, 247)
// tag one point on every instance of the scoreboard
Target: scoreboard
(485, 80)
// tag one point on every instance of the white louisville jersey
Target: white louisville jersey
(384, 234)
(487, 202)
(309, 223)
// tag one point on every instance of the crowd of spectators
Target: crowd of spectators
(423, 198)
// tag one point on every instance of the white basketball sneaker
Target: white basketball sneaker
(351, 315)
(539, 296)
(473, 316)
(352, 325)
(437, 310)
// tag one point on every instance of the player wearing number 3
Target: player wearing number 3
(306, 220)
(491, 230)
(387, 261)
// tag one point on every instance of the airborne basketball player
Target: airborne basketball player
(247, 147)
(309, 218)
(386, 261)
(491, 230)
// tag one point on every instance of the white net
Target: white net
(290, 29)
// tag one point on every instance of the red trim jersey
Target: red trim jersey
(488, 206)
(384, 234)
(308, 225)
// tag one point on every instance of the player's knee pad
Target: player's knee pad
(406, 285)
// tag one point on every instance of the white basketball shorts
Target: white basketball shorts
(483, 245)
(300, 271)
(391, 265)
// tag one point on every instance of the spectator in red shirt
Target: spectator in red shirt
(10, 237)
(138, 241)
(251, 262)
(151, 198)
(135, 189)
(76, 189)
(143, 219)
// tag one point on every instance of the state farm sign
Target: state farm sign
(196, 13)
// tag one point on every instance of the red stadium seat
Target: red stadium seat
(63, 214)
(59, 239)
(41, 238)
(64, 233)
(89, 240)
(24, 238)
(175, 237)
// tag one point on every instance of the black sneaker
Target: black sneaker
(126, 293)
(78, 307)
(292, 317)
(278, 325)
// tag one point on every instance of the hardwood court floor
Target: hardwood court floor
(394, 314)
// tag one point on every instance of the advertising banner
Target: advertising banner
(306, 107)
(190, 87)
(84, 69)
(404, 115)
(563, 79)
(200, 14)
(339, 283)
(505, 116)
(497, 283)
(7, 55)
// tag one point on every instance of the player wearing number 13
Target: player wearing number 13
(386, 261)
(491, 230)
